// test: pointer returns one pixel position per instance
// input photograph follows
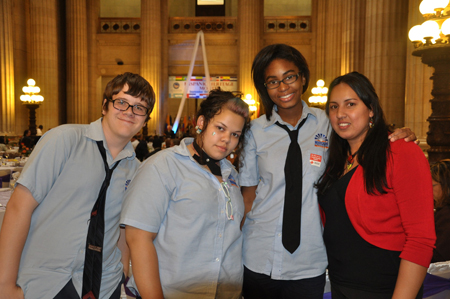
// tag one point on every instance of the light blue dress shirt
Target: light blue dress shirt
(64, 174)
(199, 249)
(264, 159)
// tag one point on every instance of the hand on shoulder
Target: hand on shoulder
(404, 133)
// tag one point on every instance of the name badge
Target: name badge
(315, 160)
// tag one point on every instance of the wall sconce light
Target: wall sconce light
(252, 105)
(319, 98)
(30, 95)
(432, 43)
(31, 99)
(435, 29)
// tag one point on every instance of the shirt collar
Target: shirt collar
(95, 132)
(277, 118)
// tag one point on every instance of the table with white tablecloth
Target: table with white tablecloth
(5, 175)
(437, 282)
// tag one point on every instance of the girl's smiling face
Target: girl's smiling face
(285, 96)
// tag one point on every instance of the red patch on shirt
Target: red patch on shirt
(315, 160)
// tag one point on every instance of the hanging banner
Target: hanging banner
(198, 86)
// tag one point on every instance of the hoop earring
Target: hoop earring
(371, 123)
(198, 130)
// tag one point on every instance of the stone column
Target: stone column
(22, 61)
(250, 22)
(385, 54)
(94, 80)
(7, 107)
(44, 59)
(418, 83)
(77, 62)
(164, 107)
(333, 43)
(353, 33)
(151, 58)
(319, 16)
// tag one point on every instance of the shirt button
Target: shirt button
(220, 235)
(279, 234)
(217, 259)
(221, 211)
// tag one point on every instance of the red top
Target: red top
(401, 220)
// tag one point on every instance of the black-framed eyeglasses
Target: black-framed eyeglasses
(228, 205)
(122, 105)
(272, 84)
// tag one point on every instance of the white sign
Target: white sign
(197, 86)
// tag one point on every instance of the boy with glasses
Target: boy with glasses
(60, 233)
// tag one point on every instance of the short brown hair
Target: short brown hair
(137, 87)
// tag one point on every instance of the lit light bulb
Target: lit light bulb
(426, 7)
(415, 33)
(25, 98)
(430, 29)
(440, 4)
(31, 82)
(320, 83)
(445, 28)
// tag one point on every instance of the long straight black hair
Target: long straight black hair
(375, 149)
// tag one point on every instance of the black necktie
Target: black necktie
(293, 193)
(92, 274)
(203, 159)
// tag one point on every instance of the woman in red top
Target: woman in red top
(377, 199)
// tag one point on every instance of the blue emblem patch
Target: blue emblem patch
(321, 140)
(127, 183)
(232, 181)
